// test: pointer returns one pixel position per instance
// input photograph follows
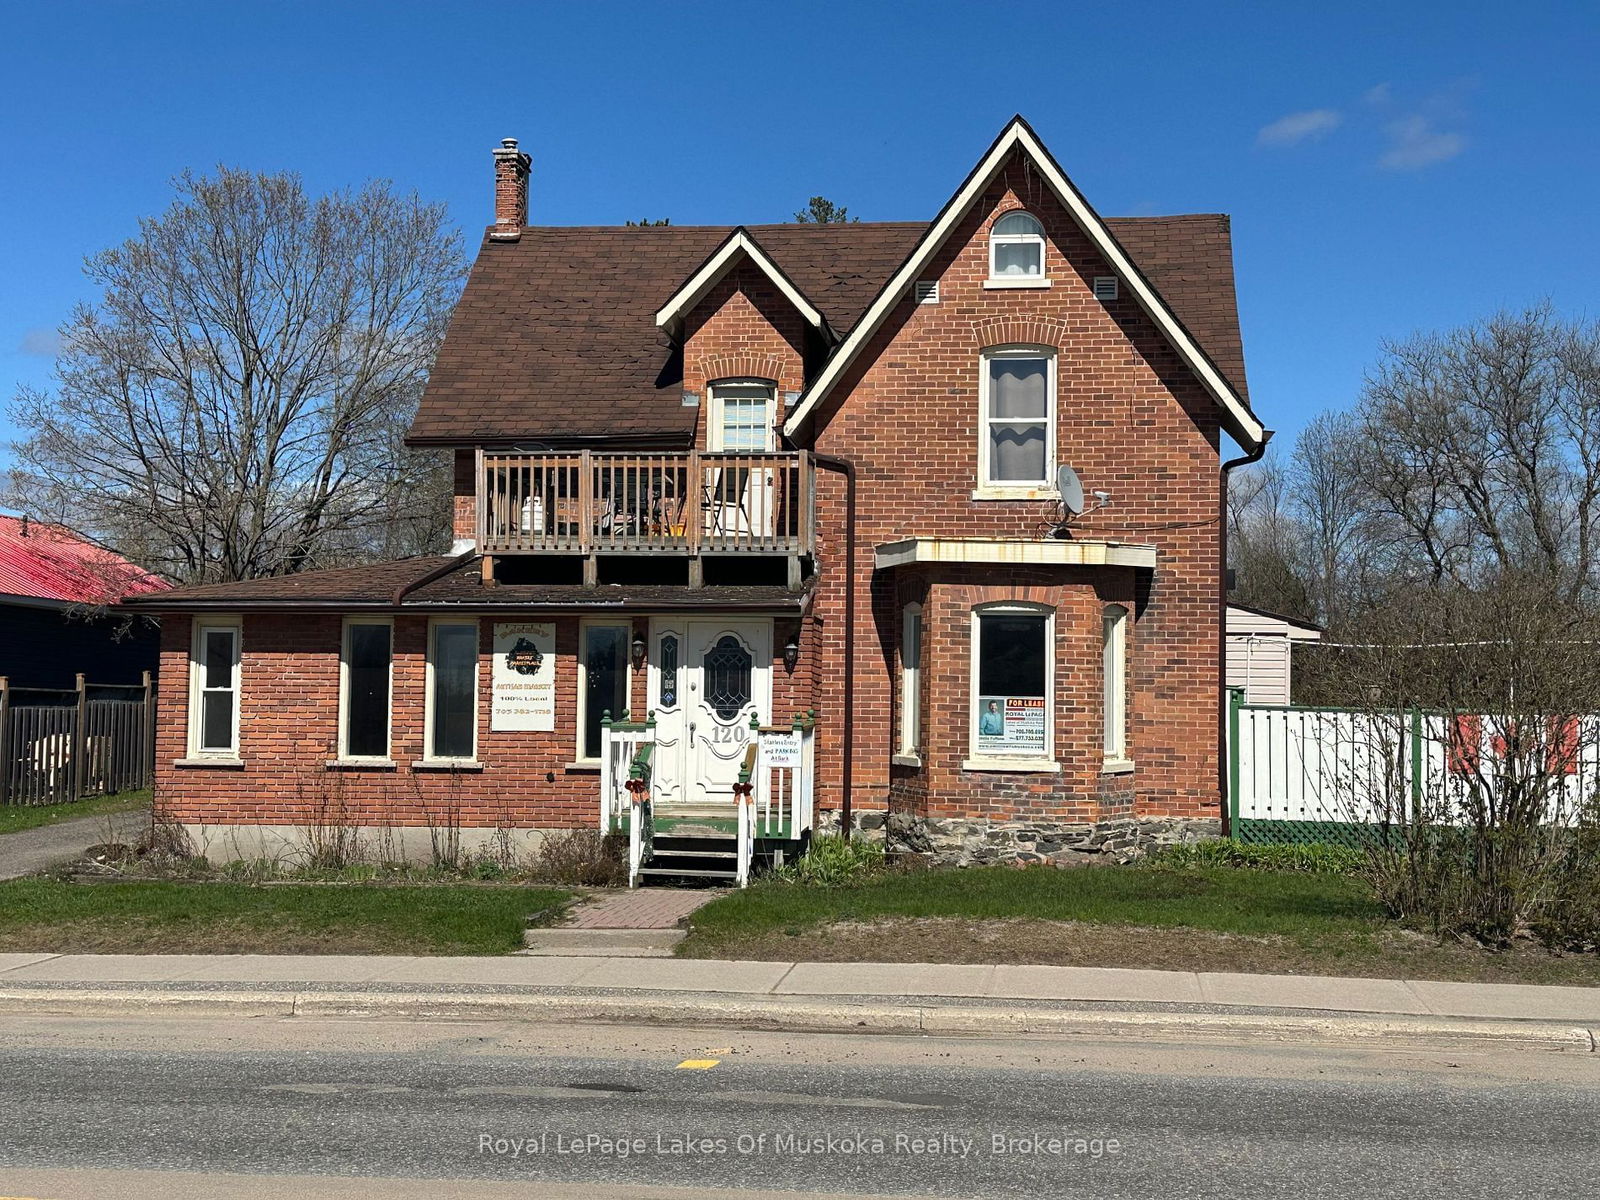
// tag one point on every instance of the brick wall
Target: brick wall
(1131, 419)
(289, 672)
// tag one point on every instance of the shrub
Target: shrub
(585, 857)
(831, 860)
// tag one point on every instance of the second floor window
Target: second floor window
(741, 416)
(1017, 439)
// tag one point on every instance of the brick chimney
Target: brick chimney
(510, 191)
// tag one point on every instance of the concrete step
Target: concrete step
(606, 943)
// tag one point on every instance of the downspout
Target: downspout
(845, 467)
(1223, 780)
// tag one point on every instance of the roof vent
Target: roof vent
(1105, 287)
(927, 291)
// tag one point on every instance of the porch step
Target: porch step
(666, 872)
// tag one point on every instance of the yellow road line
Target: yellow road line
(688, 1064)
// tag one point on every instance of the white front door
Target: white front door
(707, 678)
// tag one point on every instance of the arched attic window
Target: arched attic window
(1016, 247)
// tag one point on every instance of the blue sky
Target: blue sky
(1389, 167)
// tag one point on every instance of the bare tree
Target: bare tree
(233, 406)
(1326, 499)
(1265, 545)
(1481, 451)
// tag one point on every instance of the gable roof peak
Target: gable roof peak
(1237, 418)
(740, 244)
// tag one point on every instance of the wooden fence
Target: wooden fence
(58, 745)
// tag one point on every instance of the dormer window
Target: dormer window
(1016, 249)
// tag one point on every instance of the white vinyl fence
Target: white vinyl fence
(1307, 774)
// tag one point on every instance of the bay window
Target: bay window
(1114, 672)
(911, 681)
(1011, 678)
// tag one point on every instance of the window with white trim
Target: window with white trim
(742, 415)
(366, 665)
(602, 681)
(911, 680)
(1016, 247)
(1017, 387)
(452, 718)
(214, 690)
(1011, 674)
(1114, 672)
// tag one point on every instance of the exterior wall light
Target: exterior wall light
(638, 651)
(791, 653)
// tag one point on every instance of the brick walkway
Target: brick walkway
(641, 908)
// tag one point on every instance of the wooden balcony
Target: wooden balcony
(689, 503)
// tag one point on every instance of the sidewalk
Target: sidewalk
(834, 996)
(45, 846)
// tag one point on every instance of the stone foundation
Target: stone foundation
(972, 843)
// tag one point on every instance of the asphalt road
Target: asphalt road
(237, 1108)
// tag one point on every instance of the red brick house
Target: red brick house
(786, 476)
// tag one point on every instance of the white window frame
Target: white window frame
(1114, 687)
(434, 625)
(717, 392)
(344, 694)
(1017, 489)
(203, 625)
(996, 240)
(584, 626)
(911, 638)
(977, 761)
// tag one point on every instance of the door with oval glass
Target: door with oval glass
(707, 677)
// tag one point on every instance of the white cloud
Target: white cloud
(40, 343)
(1378, 95)
(1416, 142)
(1299, 127)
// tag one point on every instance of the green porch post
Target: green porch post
(1235, 703)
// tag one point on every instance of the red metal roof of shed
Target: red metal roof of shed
(51, 562)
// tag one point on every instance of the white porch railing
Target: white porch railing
(777, 786)
(626, 751)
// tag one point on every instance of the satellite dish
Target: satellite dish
(1071, 489)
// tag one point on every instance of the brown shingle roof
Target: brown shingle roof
(455, 583)
(374, 584)
(555, 334)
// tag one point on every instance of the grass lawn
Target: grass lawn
(236, 918)
(16, 817)
(1209, 919)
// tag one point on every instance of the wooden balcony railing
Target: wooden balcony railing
(693, 502)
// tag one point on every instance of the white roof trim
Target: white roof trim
(1240, 423)
(739, 242)
(1013, 552)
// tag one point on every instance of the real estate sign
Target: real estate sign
(1011, 725)
(524, 678)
